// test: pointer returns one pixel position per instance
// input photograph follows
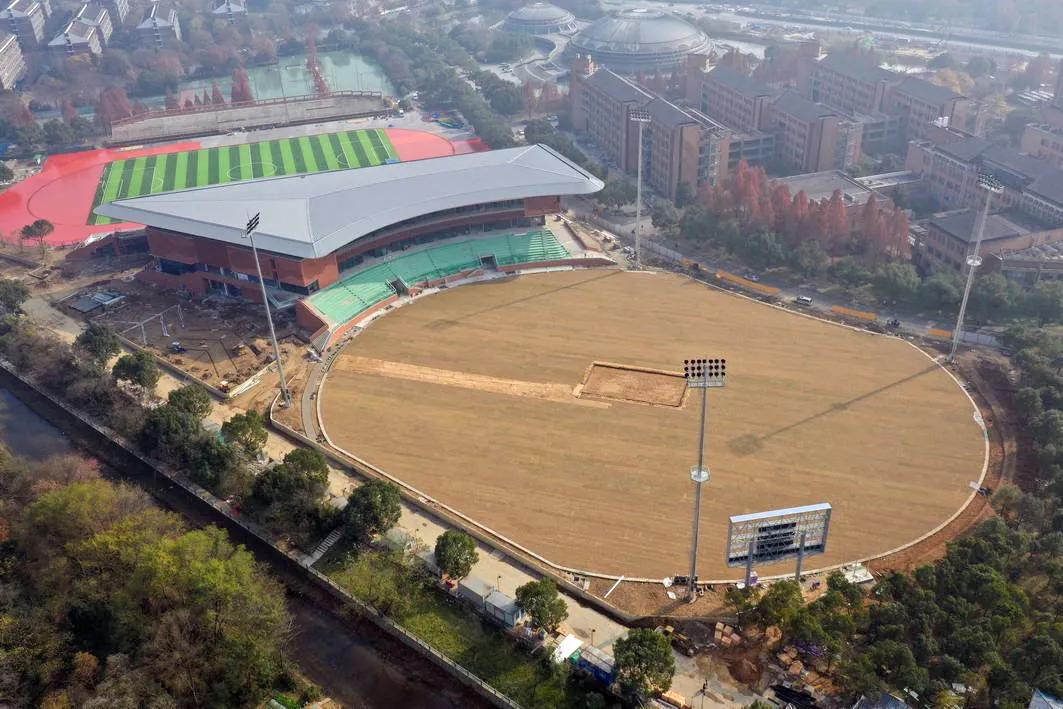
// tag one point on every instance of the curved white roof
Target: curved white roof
(310, 216)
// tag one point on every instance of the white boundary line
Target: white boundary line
(422, 496)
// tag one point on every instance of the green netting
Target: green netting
(359, 291)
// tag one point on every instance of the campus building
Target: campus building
(1044, 141)
(950, 238)
(317, 229)
(25, 19)
(681, 146)
(232, 11)
(1029, 266)
(810, 137)
(87, 33)
(160, 24)
(540, 18)
(950, 170)
(119, 10)
(636, 40)
(819, 186)
(12, 63)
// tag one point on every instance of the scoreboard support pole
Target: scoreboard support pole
(749, 559)
(800, 558)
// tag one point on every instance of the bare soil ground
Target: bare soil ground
(812, 412)
(225, 342)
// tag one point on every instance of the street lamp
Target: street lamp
(641, 117)
(701, 374)
(249, 233)
(991, 186)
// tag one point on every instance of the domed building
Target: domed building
(540, 18)
(639, 39)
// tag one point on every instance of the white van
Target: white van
(804, 301)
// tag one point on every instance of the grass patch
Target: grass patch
(409, 597)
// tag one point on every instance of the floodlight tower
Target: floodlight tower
(641, 117)
(249, 233)
(991, 186)
(701, 374)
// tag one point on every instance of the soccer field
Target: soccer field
(152, 174)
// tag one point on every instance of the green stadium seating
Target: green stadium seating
(363, 289)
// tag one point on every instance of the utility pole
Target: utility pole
(974, 259)
(642, 118)
(249, 232)
(701, 374)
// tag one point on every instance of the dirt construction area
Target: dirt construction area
(545, 407)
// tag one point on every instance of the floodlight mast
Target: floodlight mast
(991, 186)
(701, 373)
(642, 118)
(249, 232)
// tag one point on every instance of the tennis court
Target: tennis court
(151, 174)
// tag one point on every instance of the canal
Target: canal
(344, 661)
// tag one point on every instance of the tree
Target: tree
(684, 195)
(99, 342)
(942, 61)
(171, 433)
(897, 281)
(665, 217)
(456, 553)
(373, 508)
(246, 430)
(241, 87)
(139, 369)
(58, 133)
(6, 173)
(540, 600)
(644, 661)
(779, 603)
(616, 193)
(192, 399)
(979, 66)
(12, 295)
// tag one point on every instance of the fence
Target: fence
(294, 563)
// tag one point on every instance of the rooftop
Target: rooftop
(310, 216)
(961, 225)
(821, 185)
(740, 82)
(93, 13)
(617, 87)
(965, 150)
(76, 32)
(927, 91)
(1052, 251)
(1049, 187)
(640, 31)
(540, 12)
(856, 67)
(666, 113)
(802, 108)
(17, 8)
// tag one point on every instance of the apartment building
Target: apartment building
(159, 25)
(119, 10)
(12, 64)
(25, 19)
(78, 37)
(736, 100)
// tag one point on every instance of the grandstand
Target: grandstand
(358, 292)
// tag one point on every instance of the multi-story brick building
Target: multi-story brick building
(849, 83)
(680, 145)
(159, 25)
(25, 19)
(950, 238)
(12, 64)
(810, 137)
(1044, 141)
(736, 100)
(921, 105)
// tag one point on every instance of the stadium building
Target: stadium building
(340, 245)
(540, 18)
(639, 39)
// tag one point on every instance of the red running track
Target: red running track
(63, 191)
